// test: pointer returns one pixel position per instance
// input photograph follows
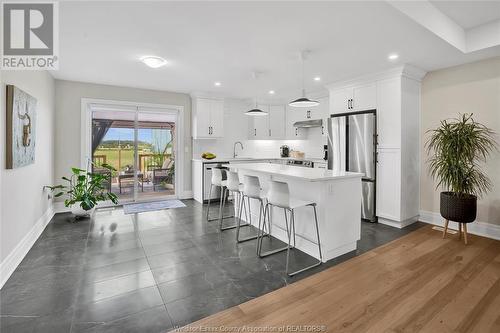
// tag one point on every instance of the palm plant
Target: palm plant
(458, 147)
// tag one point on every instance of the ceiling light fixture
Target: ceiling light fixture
(153, 61)
(393, 56)
(317, 78)
(256, 111)
(303, 102)
(217, 84)
(271, 92)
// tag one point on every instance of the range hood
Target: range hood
(309, 123)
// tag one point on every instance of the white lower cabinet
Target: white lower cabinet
(388, 184)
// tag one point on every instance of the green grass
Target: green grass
(112, 155)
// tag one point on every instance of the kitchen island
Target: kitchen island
(338, 199)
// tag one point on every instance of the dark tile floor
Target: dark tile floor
(148, 272)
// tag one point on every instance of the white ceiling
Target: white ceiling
(205, 41)
(470, 14)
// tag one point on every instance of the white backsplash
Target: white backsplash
(236, 129)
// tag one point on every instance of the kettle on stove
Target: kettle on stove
(284, 151)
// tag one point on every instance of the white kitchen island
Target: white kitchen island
(338, 199)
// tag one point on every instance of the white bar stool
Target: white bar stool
(251, 190)
(217, 181)
(279, 196)
(234, 187)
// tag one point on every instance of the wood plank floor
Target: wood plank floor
(417, 283)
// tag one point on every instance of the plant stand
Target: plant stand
(459, 230)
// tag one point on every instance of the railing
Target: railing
(99, 159)
(146, 161)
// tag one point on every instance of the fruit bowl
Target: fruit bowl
(208, 156)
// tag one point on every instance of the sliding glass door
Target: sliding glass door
(140, 144)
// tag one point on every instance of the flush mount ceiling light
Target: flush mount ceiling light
(271, 92)
(256, 111)
(317, 78)
(393, 56)
(303, 102)
(153, 61)
(217, 84)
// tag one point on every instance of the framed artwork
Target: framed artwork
(20, 125)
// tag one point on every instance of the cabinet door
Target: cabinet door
(261, 124)
(217, 118)
(339, 100)
(202, 121)
(389, 184)
(364, 97)
(277, 121)
(389, 113)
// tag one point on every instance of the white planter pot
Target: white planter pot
(78, 211)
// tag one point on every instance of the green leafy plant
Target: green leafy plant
(85, 188)
(457, 148)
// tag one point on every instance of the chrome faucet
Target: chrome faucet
(234, 148)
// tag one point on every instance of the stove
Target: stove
(301, 163)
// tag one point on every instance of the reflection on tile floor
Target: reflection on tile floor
(147, 272)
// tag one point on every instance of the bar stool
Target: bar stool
(279, 196)
(251, 190)
(233, 187)
(217, 181)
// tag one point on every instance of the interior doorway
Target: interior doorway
(140, 143)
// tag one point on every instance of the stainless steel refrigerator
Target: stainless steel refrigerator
(352, 146)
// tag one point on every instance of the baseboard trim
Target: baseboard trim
(398, 224)
(60, 208)
(186, 195)
(477, 228)
(9, 265)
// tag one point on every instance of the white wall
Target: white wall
(236, 129)
(22, 200)
(471, 88)
(68, 122)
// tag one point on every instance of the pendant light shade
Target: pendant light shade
(256, 112)
(303, 102)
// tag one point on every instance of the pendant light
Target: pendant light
(256, 111)
(303, 102)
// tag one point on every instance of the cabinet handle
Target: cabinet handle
(352, 103)
(269, 132)
(296, 131)
(308, 114)
(254, 132)
(322, 130)
(208, 130)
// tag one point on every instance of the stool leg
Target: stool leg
(238, 225)
(292, 221)
(288, 231)
(238, 240)
(222, 206)
(260, 232)
(445, 228)
(319, 247)
(209, 197)
(268, 253)
(465, 233)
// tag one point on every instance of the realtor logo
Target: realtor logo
(30, 36)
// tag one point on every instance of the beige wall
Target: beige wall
(472, 88)
(68, 123)
(22, 199)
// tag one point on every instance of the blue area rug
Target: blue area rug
(152, 206)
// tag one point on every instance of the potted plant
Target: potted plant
(85, 189)
(457, 148)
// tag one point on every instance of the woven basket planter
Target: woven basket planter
(458, 208)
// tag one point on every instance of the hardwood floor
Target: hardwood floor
(417, 283)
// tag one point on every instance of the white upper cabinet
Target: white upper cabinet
(340, 100)
(207, 118)
(364, 97)
(277, 121)
(292, 116)
(268, 127)
(356, 98)
(389, 113)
